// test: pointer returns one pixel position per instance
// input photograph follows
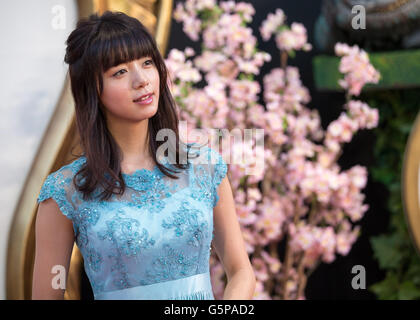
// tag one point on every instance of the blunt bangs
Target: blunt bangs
(116, 44)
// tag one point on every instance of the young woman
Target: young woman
(143, 224)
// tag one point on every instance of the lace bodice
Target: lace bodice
(152, 242)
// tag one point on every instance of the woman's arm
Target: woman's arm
(230, 248)
(53, 247)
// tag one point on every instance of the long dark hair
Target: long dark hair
(97, 44)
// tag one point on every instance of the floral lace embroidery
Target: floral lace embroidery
(219, 172)
(202, 186)
(93, 259)
(186, 219)
(55, 187)
(207, 177)
(124, 233)
(170, 265)
(150, 191)
(85, 217)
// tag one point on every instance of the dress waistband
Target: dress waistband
(196, 287)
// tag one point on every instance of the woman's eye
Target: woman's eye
(117, 73)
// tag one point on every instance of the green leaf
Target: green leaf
(413, 271)
(408, 291)
(184, 91)
(383, 175)
(386, 248)
(386, 289)
(291, 53)
(282, 28)
(406, 128)
(394, 251)
(284, 123)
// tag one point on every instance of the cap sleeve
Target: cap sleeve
(218, 169)
(214, 166)
(57, 186)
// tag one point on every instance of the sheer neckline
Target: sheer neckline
(155, 171)
(141, 172)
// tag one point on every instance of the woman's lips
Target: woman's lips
(145, 102)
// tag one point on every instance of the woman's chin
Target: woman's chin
(149, 113)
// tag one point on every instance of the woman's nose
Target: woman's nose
(140, 77)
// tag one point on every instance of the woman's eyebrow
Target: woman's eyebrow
(128, 62)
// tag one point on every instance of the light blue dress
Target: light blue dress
(152, 242)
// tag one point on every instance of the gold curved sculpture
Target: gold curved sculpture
(55, 150)
(411, 183)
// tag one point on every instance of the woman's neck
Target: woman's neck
(133, 140)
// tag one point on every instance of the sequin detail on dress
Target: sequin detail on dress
(187, 220)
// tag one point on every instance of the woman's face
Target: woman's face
(126, 82)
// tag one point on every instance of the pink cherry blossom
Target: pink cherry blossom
(246, 9)
(227, 6)
(293, 39)
(273, 264)
(272, 23)
(260, 269)
(356, 67)
(259, 293)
